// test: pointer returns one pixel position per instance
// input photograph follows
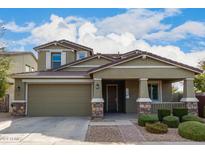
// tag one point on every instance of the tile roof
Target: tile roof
(66, 44)
(136, 53)
(13, 53)
(74, 74)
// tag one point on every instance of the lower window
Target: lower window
(154, 91)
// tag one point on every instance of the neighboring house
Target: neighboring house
(20, 62)
(73, 81)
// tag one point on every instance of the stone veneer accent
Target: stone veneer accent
(192, 107)
(18, 109)
(97, 110)
(145, 107)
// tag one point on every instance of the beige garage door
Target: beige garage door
(59, 100)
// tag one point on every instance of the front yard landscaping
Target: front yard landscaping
(171, 136)
(191, 127)
(166, 126)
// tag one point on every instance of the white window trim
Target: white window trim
(63, 58)
(48, 57)
(159, 82)
(48, 60)
(27, 67)
(77, 54)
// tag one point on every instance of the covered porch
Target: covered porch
(142, 95)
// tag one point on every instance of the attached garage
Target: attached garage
(59, 100)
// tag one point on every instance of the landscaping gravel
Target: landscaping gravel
(171, 136)
(130, 134)
(104, 134)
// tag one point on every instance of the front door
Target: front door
(112, 98)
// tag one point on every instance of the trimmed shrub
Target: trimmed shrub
(192, 130)
(191, 118)
(180, 112)
(157, 128)
(171, 121)
(163, 113)
(147, 118)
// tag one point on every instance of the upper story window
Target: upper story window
(55, 60)
(27, 68)
(81, 55)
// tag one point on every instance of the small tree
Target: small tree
(4, 74)
(199, 80)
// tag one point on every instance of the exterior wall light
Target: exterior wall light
(18, 88)
(97, 86)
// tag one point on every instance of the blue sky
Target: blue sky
(168, 32)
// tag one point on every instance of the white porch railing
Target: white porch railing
(166, 105)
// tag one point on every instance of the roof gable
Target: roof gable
(86, 61)
(144, 55)
(64, 44)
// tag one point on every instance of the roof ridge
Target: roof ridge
(146, 53)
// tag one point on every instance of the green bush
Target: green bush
(147, 118)
(163, 113)
(156, 128)
(171, 121)
(191, 118)
(192, 130)
(180, 112)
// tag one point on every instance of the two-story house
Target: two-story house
(20, 62)
(73, 81)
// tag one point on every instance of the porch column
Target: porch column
(143, 100)
(97, 100)
(189, 96)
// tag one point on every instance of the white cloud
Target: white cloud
(121, 33)
(180, 32)
(12, 26)
(114, 43)
(2, 44)
(136, 21)
(56, 29)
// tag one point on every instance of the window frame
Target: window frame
(53, 53)
(27, 67)
(159, 83)
(78, 57)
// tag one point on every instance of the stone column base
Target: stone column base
(144, 107)
(97, 108)
(192, 107)
(191, 104)
(18, 109)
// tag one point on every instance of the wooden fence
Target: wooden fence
(166, 105)
(201, 104)
(4, 104)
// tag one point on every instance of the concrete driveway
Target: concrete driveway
(43, 130)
